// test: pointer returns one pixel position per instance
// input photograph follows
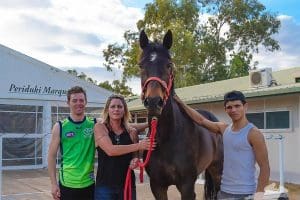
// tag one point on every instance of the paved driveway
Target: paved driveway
(35, 185)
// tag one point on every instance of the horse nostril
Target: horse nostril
(160, 102)
(146, 102)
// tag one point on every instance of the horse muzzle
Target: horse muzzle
(154, 105)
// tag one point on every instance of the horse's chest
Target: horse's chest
(162, 166)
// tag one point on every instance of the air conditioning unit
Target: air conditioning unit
(261, 77)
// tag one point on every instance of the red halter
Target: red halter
(166, 86)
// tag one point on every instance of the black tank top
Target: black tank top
(112, 170)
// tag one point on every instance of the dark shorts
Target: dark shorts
(227, 196)
(86, 193)
(112, 193)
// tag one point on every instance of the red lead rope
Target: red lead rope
(127, 188)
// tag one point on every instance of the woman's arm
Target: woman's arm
(135, 139)
(104, 142)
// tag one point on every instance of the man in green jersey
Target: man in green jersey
(75, 138)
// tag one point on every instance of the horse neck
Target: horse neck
(170, 106)
(167, 123)
(168, 114)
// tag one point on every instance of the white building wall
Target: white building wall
(27, 81)
(23, 77)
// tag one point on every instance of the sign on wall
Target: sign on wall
(36, 89)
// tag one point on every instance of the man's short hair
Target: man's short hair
(75, 90)
(233, 96)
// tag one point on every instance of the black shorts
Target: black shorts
(86, 193)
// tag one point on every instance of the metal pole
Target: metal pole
(281, 161)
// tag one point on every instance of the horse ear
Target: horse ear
(143, 39)
(167, 42)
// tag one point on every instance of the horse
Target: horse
(183, 148)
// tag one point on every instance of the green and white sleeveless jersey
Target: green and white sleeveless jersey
(77, 148)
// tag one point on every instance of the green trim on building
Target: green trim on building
(285, 83)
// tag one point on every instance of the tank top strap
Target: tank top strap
(247, 128)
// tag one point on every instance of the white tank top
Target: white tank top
(239, 162)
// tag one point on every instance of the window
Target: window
(257, 119)
(21, 119)
(23, 141)
(22, 151)
(278, 120)
(270, 119)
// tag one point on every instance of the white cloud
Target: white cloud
(65, 32)
(73, 33)
(289, 54)
(101, 74)
(284, 17)
(21, 4)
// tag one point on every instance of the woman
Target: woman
(115, 142)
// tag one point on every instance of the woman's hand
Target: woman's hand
(145, 144)
(134, 163)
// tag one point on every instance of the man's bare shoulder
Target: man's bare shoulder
(256, 136)
(256, 132)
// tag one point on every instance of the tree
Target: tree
(118, 87)
(106, 85)
(73, 72)
(236, 28)
(218, 48)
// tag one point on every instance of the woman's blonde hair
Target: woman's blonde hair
(126, 117)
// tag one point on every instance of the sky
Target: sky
(71, 34)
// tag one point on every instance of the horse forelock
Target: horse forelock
(159, 50)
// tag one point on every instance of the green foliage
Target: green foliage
(204, 50)
(118, 87)
(106, 85)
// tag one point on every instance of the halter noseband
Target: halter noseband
(163, 83)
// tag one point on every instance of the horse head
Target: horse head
(156, 73)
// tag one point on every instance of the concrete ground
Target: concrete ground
(35, 185)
